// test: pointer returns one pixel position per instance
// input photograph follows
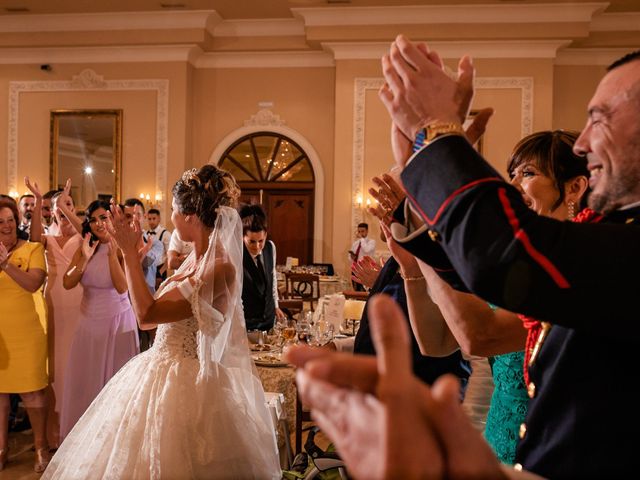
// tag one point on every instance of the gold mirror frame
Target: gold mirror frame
(89, 142)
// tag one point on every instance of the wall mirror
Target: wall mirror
(86, 147)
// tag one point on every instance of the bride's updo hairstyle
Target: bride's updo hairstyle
(201, 191)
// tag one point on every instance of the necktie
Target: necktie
(358, 251)
(261, 268)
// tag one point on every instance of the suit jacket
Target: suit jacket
(582, 278)
(426, 368)
(257, 292)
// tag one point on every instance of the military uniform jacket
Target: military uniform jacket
(581, 278)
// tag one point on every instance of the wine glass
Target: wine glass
(323, 332)
(304, 330)
(289, 331)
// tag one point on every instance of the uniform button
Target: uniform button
(523, 430)
(433, 235)
(531, 389)
(517, 467)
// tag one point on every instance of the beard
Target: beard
(617, 191)
(28, 215)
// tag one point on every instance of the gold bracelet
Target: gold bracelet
(412, 279)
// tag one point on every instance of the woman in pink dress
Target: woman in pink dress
(107, 336)
(61, 242)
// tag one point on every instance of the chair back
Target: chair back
(303, 286)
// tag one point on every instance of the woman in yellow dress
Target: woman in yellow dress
(23, 340)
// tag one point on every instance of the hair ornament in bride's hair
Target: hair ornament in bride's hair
(201, 191)
(191, 175)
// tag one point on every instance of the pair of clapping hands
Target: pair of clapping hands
(384, 422)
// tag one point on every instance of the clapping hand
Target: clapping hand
(33, 188)
(87, 248)
(127, 234)
(365, 271)
(4, 256)
(385, 422)
(389, 195)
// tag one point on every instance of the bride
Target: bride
(191, 406)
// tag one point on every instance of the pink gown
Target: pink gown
(106, 339)
(63, 314)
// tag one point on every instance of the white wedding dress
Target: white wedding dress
(189, 407)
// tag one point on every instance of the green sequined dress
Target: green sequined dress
(509, 404)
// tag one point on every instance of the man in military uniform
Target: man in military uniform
(580, 278)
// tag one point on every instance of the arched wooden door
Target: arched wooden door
(274, 171)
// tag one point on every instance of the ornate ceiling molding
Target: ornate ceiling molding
(110, 54)
(590, 56)
(450, 14)
(477, 49)
(85, 22)
(89, 80)
(290, 59)
(277, 27)
(616, 22)
(361, 85)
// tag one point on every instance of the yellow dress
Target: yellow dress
(23, 338)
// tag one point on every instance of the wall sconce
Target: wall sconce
(146, 199)
(359, 201)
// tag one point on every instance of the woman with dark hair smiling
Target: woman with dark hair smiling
(554, 183)
(106, 336)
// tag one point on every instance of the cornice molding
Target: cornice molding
(590, 56)
(82, 22)
(110, 54)
(476, 49)
(454, 14)
(289, 59)
(616, 22)
(277, 27)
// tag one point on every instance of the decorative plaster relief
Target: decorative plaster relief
(361, 85)
(264, 118)
(88, 80)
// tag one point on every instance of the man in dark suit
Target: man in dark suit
(579, 278)
(259, 284)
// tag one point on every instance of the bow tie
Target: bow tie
(151, 232)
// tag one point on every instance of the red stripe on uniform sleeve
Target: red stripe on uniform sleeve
(523, 238)
(449, 199)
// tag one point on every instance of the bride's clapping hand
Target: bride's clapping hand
(126, 234)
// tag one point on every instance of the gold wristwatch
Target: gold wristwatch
(435, 129)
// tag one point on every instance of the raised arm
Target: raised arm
(63, 200)
(434, 337)
(478, 328)
(78, 263)
(170, 307)
(35, 231)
